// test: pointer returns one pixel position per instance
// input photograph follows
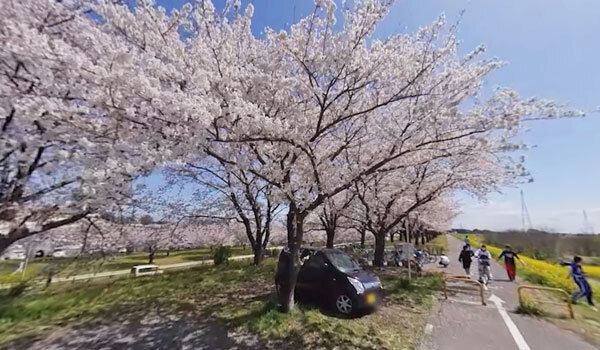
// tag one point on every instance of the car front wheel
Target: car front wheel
(343, 304)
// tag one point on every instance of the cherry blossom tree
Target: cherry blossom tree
(228, 193)
(331, 215)
(316, 110)
(84, 91)
(312, 112)
(388, 198)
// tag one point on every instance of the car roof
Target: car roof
(332, 250)
(321, 249)
(145, 266)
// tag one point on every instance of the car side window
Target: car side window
(316, 261)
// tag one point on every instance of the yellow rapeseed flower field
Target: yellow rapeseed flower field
(592, 271)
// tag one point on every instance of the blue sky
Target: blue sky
(552, 50)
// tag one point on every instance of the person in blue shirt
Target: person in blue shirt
(579, 278)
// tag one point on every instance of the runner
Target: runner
(509, 262)
(579, 278)
(467, 242)
(465, 258)
(483, 260)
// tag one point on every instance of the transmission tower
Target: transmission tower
(587, 225)
(525, 214)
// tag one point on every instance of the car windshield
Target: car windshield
(342, 262)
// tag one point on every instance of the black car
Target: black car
(333, 279)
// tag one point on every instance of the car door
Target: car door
(314, 277)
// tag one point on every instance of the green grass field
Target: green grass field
(437, 245)
(37, 268)
(237, 294)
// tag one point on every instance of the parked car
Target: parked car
(331, 278)
(145, 270)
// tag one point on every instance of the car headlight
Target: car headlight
(357, 285)
(374, 284)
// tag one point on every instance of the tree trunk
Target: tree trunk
(259, 254)
(392, 237)
(151, 257)
(363, 235)
(330, 236)
(379, 249)
(286, 293)
(295, 231)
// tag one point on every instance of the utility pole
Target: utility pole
(525, 214)
(587, 225)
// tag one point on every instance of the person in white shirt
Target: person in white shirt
(444, 261)
(484, 259)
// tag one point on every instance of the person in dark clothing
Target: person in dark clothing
(466, 257)
(509, 262)
(579, 278)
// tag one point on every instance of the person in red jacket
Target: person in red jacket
(509, 262)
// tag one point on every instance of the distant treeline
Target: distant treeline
(544, 245)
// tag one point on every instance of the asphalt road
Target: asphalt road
(462, 324)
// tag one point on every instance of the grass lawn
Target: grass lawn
(586, 322)
(76, 266)
(437, 245)
(238, 296)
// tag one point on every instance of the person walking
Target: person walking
(465, 257)
(509, 262)
(467, 241)
(579, 278)
(484, 261)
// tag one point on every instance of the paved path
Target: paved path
(463, 326)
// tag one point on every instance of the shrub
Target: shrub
(221, 255)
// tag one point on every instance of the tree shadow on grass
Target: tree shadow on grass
(135, 328)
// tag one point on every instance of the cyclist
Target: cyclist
(484, 261)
